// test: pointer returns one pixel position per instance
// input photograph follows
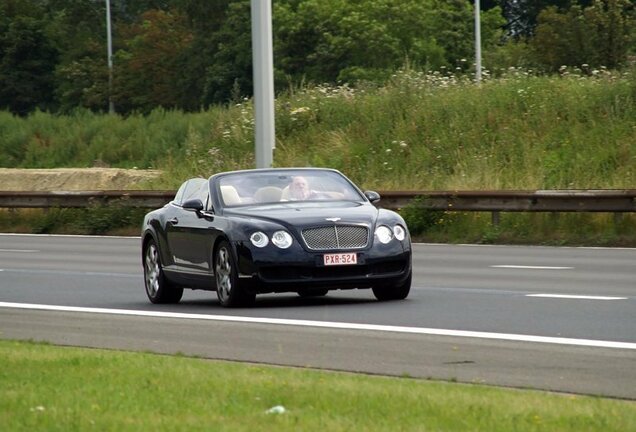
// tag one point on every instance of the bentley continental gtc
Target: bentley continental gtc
(303, 230)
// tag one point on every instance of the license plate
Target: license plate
(340, 259)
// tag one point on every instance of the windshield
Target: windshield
(284, 186)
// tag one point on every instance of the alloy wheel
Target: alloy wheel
(152, 271)
(224, 274)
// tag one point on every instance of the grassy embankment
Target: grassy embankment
(66, 389)
(419, 132)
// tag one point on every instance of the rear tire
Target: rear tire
(229, 290)
(396, 292)
(158, 288)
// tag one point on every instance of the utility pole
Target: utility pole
(111, 105)
(477, 42)
(263, 70)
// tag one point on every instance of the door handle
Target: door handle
(173, 221)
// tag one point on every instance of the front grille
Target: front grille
(336, 237)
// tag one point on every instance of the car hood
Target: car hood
(305, 214)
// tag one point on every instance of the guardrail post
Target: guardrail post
(495, 218)
(618, 218)
(554, 218)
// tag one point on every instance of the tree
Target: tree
(231, 69)
(376, 37)
(347, 41)
(148, 67)
(27, 59)
(78, 30)
(331, 40)
(521, 15)
(599, 35)
(205, 19)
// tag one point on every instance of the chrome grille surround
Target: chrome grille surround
(336, 237)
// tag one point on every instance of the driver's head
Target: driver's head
(299, 188)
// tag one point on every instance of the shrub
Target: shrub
(419, 219)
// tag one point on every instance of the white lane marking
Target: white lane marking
(19, 250)
(531, 267)
(333, 325)
(72, 273)
(576, 297)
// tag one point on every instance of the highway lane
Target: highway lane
(469, 288)
(454, 287)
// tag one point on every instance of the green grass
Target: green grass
(418, 131)
(66, 389)
(111, 220)
(550, 229)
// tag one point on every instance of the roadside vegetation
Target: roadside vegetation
(66, 389)
(436, 131)
(418, 131)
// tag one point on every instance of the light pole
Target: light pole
(263, 70)
(477, 42)
(111, 105)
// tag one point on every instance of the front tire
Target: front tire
(396, 292)
(228, 289)
(158, 288)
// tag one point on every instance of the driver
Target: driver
(299, 189)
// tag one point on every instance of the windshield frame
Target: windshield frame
(261, 187)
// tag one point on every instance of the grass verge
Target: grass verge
(53, 388)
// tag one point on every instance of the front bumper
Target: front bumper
(276, 270)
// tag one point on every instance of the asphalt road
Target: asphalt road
(561, 319)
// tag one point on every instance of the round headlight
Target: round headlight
(282, 239)
(383, 234)
(259, 239)
(399, 232)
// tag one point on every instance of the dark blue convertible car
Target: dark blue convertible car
(304, 230)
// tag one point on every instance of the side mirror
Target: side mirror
(372, 196)
(193, 204)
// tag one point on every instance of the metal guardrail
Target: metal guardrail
(519, 201)
(614, 201)
(80, 199)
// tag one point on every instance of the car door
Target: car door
(184, 232)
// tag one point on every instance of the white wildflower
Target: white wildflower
(278, 409)
(300, 110)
